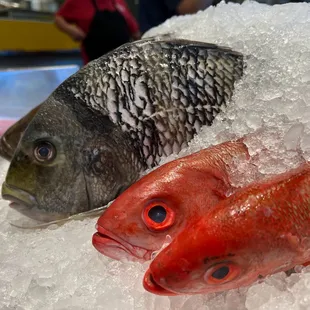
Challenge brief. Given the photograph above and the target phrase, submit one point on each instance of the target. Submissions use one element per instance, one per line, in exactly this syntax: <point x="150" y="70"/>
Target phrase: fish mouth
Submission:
<point x="152" y="286"/>
<point x="17" y="195"/>
<point x="26" y="204"/>
<point x="110" y="245"/>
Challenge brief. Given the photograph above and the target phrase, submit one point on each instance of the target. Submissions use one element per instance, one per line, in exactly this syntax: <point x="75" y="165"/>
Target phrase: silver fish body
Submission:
<point x="113" y="119"/>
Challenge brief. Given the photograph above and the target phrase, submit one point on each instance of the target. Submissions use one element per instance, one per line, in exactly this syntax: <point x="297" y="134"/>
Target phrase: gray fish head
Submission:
<point x="58" y="169"/>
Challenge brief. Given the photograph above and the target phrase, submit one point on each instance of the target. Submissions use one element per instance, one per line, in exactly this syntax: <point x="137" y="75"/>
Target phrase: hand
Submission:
<point x="76" y="33"/>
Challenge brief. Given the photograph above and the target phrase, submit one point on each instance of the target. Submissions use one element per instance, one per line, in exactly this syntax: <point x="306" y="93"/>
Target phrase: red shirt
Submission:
<point x="81" y="13"/>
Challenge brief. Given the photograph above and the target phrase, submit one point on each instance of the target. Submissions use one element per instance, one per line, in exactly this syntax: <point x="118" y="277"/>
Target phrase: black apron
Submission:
<point x="108" y="30"/>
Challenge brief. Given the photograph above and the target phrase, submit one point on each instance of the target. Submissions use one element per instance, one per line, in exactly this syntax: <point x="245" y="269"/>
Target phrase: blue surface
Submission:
<point x="23" y="89"/>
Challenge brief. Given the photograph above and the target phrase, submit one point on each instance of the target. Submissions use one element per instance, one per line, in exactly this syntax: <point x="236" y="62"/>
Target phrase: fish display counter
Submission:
<point x="23" y="89"/>
<point x="58" y="163"/>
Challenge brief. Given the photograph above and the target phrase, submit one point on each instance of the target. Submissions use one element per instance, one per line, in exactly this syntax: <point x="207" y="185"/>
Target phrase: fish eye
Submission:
<point x="44" y="151"/>
<point x="221" y="273"/>
<point x="157" y="216"/>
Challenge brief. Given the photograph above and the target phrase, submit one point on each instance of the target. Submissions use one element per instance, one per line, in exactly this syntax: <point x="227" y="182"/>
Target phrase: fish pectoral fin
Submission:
<point x="76" y="217"/>
<point x="160" y="37"/>
<point x="172" y="38"/>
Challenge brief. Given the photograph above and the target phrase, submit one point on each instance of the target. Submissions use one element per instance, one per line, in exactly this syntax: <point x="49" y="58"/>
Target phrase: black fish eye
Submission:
<point x="220" y="273"/>
<point x="44" y="151"/>
<point x="157" y="214"/>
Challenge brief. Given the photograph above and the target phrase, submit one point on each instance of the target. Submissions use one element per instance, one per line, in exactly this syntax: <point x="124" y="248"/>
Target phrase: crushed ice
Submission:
<point x="57" y="268"/>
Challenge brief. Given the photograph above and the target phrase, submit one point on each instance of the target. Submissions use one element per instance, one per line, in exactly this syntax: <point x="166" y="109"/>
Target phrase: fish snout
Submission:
<point x="114" y="247"/>
<point x="17" y="195"/>
<point x="153" y="287"/>
<point x="27" y="204"/>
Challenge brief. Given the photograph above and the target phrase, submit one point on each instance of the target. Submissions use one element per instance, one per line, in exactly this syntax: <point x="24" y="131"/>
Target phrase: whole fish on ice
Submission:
<point x="165" y="201"/>
<point x="259" y="230"/>
<point x="114" y="118"/>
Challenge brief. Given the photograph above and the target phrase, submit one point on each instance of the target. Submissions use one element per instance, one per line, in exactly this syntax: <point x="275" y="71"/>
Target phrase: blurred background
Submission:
<point x="28" y="36"/>
<point x="35" y="56"/>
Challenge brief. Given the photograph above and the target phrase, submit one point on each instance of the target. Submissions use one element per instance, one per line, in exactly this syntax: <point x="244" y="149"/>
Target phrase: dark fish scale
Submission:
<point x="201" y="75"/>
<point x="228" y="92"/>
<point x="208" y="79"/>
<point x="201" y="116"/>
<point x="220" y="74"/>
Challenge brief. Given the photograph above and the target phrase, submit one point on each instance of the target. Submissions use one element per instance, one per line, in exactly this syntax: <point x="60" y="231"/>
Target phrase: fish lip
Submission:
<point x="20" y="196"/>
<point x="152" y="286"/>
<point x="105" y="242"/>
<point x="26" y="204"/>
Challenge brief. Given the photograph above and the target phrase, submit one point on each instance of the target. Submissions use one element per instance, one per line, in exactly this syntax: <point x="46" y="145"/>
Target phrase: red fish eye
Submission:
<point x="222" y="273"/>
<point x="44" y="151"/>
<point x="158" y="216"/>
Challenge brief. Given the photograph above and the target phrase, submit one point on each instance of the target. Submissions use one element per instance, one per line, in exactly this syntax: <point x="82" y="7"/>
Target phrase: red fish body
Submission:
<point x="259" y="230"/>
<point x="164" y="201"/>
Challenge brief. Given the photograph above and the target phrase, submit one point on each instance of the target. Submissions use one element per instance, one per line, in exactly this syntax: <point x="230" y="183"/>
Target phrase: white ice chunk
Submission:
<point x="292" y="137"/>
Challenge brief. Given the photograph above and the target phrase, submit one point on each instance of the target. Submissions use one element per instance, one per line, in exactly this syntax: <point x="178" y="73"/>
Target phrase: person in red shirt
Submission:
<point x="100" y="25"/>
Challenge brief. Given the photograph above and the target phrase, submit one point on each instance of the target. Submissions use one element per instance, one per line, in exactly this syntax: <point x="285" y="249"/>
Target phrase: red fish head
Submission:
<point x="248" y="236"/>
<point x="195" y="262"/>
<point x="159" y="204"/>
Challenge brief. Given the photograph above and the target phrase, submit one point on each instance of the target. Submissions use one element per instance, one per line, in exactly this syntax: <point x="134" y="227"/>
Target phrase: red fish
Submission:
<point x="259" y="230"/>
<point x="165" y="201"/>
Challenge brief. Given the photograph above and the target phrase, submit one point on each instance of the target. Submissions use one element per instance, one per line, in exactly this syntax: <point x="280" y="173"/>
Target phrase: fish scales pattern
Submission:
<point x="161" y="93"/>
<point x="280" y="205"/>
